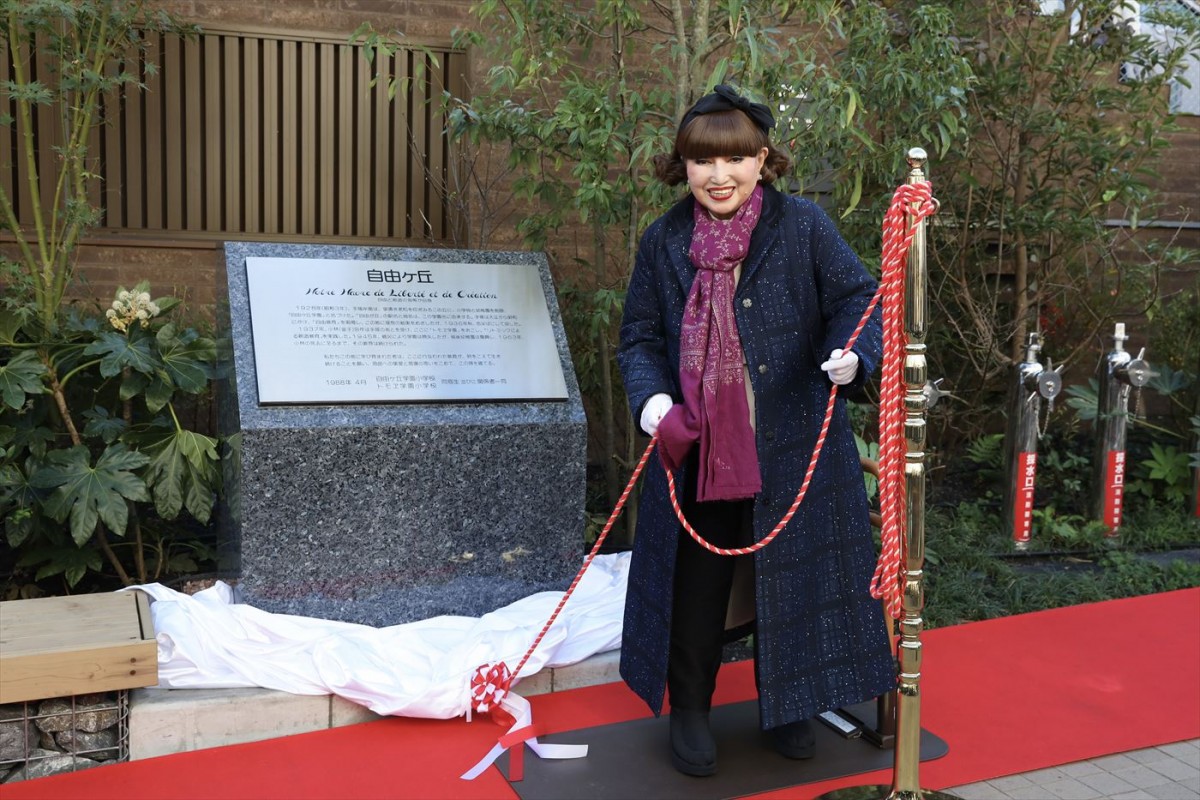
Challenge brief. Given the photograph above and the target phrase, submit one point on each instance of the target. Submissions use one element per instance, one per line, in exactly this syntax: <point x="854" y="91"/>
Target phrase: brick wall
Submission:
<point x="188" y="270"/>
<point x="1180" y="196"/>
<point x="1179" y="184"/>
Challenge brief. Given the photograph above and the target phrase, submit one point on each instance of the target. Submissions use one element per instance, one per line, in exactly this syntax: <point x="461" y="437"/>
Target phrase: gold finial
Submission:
<point x="917" y="157"/>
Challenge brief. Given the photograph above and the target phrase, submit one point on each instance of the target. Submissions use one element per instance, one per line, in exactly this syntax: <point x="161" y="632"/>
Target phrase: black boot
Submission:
<point x="693" y="751"/>
<point x="795" y="739"/>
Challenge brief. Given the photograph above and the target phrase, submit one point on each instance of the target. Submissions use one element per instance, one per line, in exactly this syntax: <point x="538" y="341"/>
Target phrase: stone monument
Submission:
<point x="407" y="435"/>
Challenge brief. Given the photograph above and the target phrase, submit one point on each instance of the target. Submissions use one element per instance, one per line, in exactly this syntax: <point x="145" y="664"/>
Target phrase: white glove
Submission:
<point x="655" y="409"/>
<point x="841" y="366"/>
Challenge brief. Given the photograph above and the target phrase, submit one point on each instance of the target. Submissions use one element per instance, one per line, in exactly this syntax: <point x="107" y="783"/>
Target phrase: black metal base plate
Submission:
<point x="633" y="759"/>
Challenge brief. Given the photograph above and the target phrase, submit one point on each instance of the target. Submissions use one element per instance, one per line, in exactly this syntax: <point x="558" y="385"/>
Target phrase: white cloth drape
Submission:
<point x="419" y="669"/>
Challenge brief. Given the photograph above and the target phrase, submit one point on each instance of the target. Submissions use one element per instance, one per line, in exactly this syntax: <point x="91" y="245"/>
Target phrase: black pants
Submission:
<point x="701" y="597"/>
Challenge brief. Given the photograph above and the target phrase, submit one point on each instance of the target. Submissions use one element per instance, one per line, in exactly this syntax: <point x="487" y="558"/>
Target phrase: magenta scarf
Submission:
<point x="714" y="410"/>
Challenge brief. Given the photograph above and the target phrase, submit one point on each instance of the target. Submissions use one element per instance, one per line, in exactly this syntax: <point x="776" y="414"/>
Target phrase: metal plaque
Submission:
<point x="348" y="331"/>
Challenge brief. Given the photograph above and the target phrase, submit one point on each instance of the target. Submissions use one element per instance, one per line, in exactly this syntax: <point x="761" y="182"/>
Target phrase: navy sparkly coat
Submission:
<point x="821" y="638"/>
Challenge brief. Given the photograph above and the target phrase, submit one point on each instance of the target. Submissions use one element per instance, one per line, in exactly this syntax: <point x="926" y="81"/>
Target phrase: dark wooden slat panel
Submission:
<point x="362" y="146"/>
<point x="153" y="179"/>
<point x="174" y="129"/>
<point x="49" y="134"/>
<point x="133" y="102"/>
<point x="252" y="144"/>
<point x="272" y="140"/>
<point x="193" y="154"/>
<point x="400" y="181"/>
<point x="24" y="197"/>
<point x="8" y="138"/>
<point x="247" y="133"/>
<point x="419" y="150"/>
<point x="345" y="129"/>
<point x="327" y="112"/>
<point x="456" y="83"/>
<point x="231" y="132"/>
<point x="213" y="122"/>
<point x="14" y="170"/>
<point x="289" y="169"/>
<point x="95" y="188"/>
<point x="381" y="188"/>
<point x="113" y="173"/>
<point x="214" y="157"/>
<point x="309" y="163"/>
<point x="436" y="161"/>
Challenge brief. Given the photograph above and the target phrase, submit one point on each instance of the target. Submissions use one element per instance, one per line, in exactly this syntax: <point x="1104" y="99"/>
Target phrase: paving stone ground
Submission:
<point x="1167" y="772"/>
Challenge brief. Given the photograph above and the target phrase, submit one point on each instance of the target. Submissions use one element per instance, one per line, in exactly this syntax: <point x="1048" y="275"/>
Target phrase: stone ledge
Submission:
<point x="165" y="721"/>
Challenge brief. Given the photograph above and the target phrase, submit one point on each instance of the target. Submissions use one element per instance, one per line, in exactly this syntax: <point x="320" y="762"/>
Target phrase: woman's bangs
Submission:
<point x="720" y="134"/>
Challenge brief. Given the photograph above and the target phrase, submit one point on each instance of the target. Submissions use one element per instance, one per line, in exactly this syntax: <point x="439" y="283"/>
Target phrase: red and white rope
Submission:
<point x="910" y="204"/>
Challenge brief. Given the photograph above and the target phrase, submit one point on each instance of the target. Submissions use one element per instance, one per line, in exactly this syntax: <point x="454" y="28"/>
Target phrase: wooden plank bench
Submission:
<point x="63" y="646"/>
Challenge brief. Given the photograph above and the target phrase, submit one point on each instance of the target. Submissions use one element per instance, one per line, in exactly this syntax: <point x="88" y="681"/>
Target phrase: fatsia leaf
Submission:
<point x="183" y="471"/>
<point x="165" y="477"/>
<point x="88" y="493"/>
<point x="120" y="351"/>
<point x="18" y="525"/>
<point x="69" y="561"/>
<point x="102" y="424"/>
<point x="17" y="499"/>
<point x="158" y="393"/>
<point x="21" y="375"/>
<point x="185" y="358"/>
<point x="201" y="494"/>
<point x="1167" y="381"/>
<point x="10" y="478"/>
<point x="27" y="436"/>
<point x="133" y="384"/>
<point x="83" y="323"/>
<point x="10" y="323"/>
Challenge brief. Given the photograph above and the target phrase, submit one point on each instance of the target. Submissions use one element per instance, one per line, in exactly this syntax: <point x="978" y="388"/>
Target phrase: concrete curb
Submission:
<point x="165" y="721"/>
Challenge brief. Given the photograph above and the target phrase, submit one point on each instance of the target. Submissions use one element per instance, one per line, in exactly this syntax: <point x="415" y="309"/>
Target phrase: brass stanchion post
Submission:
<point x="906" y="784"/>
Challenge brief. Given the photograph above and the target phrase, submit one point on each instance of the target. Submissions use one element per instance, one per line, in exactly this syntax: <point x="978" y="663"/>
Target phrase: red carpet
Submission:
<point x="1009" y="695"/>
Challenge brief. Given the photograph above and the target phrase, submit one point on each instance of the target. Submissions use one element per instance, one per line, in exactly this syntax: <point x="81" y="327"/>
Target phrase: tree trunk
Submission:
<point x="612" y="480"/>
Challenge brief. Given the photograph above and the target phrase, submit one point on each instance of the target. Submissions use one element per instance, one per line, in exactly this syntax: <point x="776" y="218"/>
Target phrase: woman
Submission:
<point x="739" y="305"/>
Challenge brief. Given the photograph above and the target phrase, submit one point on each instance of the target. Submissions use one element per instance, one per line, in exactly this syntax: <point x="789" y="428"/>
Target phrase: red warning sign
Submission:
<point x="1023" y="496"/>
<point x="1114" y="490"/>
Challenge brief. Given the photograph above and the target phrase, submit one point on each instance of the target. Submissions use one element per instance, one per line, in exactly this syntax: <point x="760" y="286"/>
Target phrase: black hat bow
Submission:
<point x="725" y="98"/>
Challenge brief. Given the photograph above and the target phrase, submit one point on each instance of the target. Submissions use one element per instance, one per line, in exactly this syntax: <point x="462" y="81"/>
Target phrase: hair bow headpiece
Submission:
<point x="724" y="98"/>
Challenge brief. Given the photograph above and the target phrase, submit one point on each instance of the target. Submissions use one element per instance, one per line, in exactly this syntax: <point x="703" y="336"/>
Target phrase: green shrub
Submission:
<point x="977" y="576"/>
<point x="91" y="442"/>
